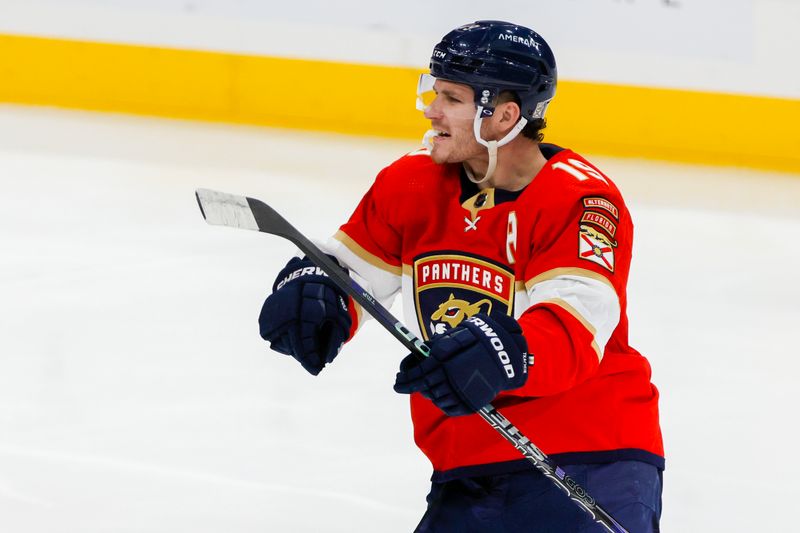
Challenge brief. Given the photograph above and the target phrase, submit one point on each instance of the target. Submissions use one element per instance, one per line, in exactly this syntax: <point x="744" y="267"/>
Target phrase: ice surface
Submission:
<point x="136" y="395"/>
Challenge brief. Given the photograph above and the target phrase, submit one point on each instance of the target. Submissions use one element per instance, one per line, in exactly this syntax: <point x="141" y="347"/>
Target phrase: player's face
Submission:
<point x="452" y="113"/>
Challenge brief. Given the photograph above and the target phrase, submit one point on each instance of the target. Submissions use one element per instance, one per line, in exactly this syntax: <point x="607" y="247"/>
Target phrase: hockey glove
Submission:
<point x="306" y="316"/>
<point x="468" y="365"/>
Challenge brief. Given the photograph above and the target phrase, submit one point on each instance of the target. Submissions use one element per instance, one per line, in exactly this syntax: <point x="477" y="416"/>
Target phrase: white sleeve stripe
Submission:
<point x="593" y="302"/>
<point x="410" y="311"/>
<point x="381" y="284"/>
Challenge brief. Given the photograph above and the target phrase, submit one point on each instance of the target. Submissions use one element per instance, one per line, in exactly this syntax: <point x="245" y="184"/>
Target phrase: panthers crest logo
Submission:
<point x="449" y="288"/>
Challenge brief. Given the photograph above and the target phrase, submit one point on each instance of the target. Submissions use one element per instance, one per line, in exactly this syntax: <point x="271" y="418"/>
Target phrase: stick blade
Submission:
<point x="224" y="209"/>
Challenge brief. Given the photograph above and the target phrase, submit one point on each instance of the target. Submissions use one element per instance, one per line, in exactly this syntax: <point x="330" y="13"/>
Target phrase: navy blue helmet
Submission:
<point x="493" y="56"/>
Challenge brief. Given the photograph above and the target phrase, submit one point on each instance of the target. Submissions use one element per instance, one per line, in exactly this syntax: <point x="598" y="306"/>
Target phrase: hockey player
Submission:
<point x="512" y="257"/>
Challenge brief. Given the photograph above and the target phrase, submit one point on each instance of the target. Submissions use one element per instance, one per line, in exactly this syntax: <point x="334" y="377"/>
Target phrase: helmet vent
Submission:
<point x="465" y="64"/>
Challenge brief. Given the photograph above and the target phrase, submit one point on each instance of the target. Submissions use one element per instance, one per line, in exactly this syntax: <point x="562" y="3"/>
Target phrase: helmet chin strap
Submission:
<point x="491" y="146"/>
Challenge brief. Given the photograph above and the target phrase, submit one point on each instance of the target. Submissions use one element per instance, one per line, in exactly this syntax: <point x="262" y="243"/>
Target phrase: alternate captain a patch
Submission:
<point x="596" y="247"/>
<point x="450" y="287"/>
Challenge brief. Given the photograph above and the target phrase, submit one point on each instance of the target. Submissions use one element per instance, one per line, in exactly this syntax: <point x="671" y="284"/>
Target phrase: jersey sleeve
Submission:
<point x="576" y="270"/>
<point x="369" y="245"/>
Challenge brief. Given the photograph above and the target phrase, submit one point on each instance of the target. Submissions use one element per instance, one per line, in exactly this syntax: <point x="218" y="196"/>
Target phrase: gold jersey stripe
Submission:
<point x="567" y="271"/>
<point x="360" y="252"/>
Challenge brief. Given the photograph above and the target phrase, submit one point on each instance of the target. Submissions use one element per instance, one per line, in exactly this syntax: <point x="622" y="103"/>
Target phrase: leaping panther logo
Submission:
<point x="454" y="311"/>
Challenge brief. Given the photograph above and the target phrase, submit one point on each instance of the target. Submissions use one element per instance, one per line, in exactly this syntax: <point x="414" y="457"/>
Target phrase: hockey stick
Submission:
<point x="223" y="209"/>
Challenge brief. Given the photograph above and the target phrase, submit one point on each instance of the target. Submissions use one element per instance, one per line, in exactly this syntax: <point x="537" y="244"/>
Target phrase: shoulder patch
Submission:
<point x="596" y="247"/>
<point x="596" y="202"/>
<point x="596" y="219"/>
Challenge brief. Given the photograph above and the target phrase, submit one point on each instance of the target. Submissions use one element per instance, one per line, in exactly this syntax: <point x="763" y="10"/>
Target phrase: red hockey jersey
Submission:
<point x="555" y="255"/>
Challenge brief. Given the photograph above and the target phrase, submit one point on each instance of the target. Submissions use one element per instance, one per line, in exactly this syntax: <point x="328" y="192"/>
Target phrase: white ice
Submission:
<point x="137" y="396"/>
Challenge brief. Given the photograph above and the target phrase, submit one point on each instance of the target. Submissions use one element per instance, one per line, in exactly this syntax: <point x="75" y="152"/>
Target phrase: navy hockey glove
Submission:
<point x="468" y="365"/>
<point x="306" y="315"/>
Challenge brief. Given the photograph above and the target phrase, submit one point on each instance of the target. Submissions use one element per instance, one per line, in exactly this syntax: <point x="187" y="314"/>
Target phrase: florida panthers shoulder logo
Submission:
<point x="598" y="229"/>
<point x="451" y="287"/>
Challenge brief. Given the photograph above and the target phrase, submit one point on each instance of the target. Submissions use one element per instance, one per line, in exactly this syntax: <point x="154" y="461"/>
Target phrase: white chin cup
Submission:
<point x="426" y="139"/>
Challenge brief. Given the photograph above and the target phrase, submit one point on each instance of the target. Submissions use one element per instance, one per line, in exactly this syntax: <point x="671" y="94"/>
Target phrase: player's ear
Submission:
<point x="508" y="113"/>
